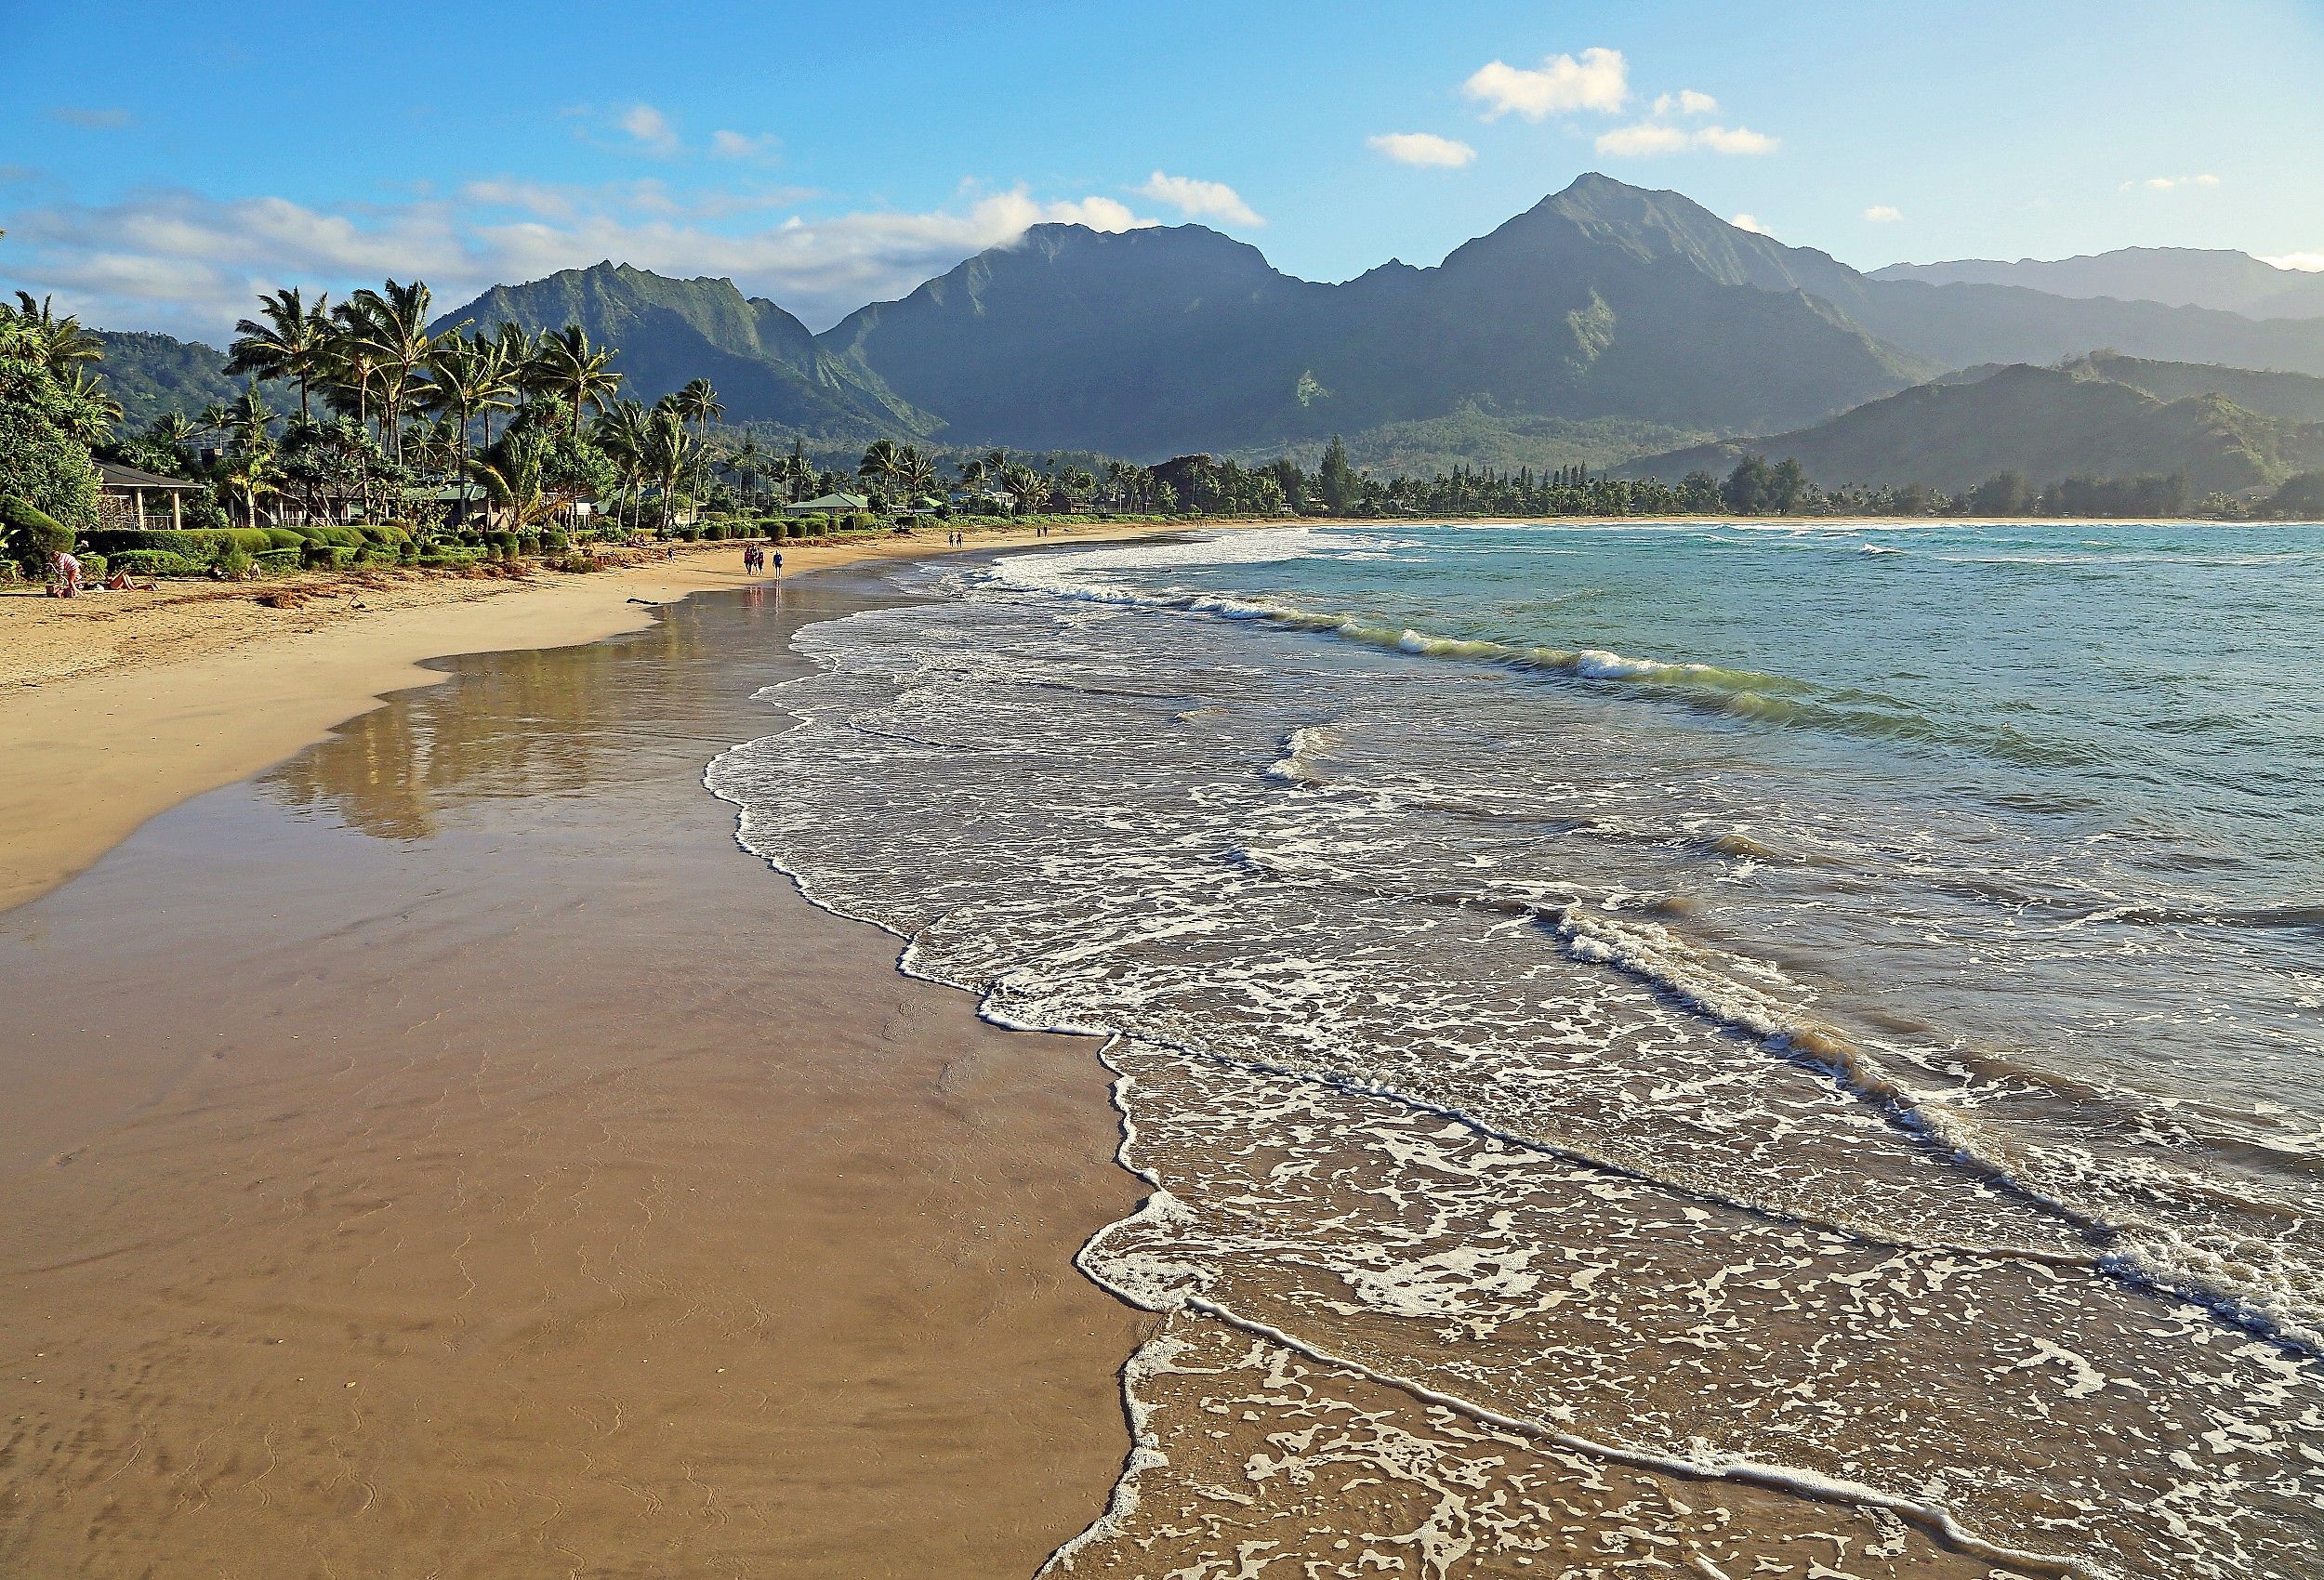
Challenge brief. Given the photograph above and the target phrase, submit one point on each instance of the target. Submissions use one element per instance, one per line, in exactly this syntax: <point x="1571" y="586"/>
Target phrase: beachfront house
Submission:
<point x="127" y="497"/>
<point x="829" y="505"/>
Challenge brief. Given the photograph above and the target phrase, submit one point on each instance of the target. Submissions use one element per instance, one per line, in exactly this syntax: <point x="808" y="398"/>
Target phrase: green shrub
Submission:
<point x="202" y="544"/>
<point x="273" y="562"/>
<point x="554" y="540"/>
<point x="317" y="556"/>
<point x="32" y="536"/>
<point x="282" y="537"/>
<point x="154" y="562"/>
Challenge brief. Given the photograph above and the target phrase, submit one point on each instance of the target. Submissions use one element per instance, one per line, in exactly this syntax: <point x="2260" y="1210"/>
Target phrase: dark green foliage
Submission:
<point x="1335" y="480"/>
<point x="2300" y="498"/>
<point x="44" y="458"/>
<point x="153" y="373"/>
<point x="154" y="562"/>
<point x="202" y="545"/>
<point x="201" y="510"/>
<point x="282" y="537"/>
<point x="32" y="536"/>
<point x="2003" y="493"/>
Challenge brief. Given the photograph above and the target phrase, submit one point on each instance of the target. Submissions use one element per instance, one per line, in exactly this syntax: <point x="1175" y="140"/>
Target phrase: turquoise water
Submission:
<point x="2135" y="677"/>
<point x="1837" y="1011"/>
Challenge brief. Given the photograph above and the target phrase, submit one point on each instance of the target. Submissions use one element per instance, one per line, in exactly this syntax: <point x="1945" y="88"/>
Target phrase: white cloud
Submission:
<point x="2306" y="263"/>
<point x="1598" y="80"/>
<point x="1645" y="140"/>
<point x="91" y="119"/>
<point x="1422" y="149"/>
<point x="1735" y="139"/>
<point x="649" y="129"/>
<point x="1648" y="139"/>
<point x="1686" y="102"/>
<point x="1198" y="200"/>
<point x="1883" y="214"/>
<point x="190" y="264"/>
<point x="1748" y="222"/>
<point x="743" y="145"/>
<point x="2169" y="183"/>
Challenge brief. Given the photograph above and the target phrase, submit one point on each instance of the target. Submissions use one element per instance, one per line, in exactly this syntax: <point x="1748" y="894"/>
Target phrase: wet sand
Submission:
<point x="448" y="1155"/>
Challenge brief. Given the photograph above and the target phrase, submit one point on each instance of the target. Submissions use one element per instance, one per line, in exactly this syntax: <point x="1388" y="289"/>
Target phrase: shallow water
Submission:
<point x="1837" y="1012"/>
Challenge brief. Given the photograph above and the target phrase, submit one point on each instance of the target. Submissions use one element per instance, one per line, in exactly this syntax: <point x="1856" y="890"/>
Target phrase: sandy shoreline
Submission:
<point x="115" y="706"/>
<point x="447" y="1154"/>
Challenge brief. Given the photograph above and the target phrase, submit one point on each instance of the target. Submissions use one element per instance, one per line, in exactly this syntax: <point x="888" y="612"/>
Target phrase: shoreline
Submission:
<point x="453" y="1155"/>
<point x="202" y="691"/>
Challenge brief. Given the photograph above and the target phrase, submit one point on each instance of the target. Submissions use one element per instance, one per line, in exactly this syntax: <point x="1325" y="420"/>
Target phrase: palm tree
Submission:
<point x="699" y="402"/>
<point x="94" y="408"/>
<point x="670" y="456"/>
<point x="293" y="342"/>
<point x="1029" y="487"/>
<point x="917" y="473"/>
<point x="463" y="380"/>
<point x="516" y="483"/>
<point x="500" y="359"/>
<point x="391" y="325"/>
<point x="575" y="372"/>
<point x="173" y="430"/>
<point x="879" y="463"/>
<point x="620" y="433"/>
<point x="250" y="422"/>
<point x="64" y="345"/>
<point x="251" y="475"/>
<point x="747" y="461"/>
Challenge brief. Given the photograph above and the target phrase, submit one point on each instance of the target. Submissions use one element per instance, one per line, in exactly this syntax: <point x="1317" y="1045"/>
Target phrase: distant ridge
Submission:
<point x="1604" y="320"/>
<point x="766" y="365"/>
<point x="2196" y="277"/>
<point x="2047" y="424"/>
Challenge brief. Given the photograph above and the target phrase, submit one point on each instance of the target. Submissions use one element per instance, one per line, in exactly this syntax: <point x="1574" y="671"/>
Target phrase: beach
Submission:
<point x="444" y="1153"/>
<point x="1734" y="1096"/>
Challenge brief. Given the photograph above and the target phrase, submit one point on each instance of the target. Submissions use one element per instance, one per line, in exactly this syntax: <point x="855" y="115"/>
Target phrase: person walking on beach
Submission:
<point x="778" y="564"/>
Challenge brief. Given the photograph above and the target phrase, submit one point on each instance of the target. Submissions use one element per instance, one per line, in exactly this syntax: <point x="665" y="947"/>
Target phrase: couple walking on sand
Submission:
<point x="755" y="559"/>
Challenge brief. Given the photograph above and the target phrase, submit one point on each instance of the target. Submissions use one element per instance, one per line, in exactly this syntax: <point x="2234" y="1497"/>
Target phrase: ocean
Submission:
<point x="1706" y="1049"/>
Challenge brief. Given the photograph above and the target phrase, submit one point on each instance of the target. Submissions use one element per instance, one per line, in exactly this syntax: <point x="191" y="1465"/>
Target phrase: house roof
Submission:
<point x="112" y="474"/>
<point x="834" y="502"/>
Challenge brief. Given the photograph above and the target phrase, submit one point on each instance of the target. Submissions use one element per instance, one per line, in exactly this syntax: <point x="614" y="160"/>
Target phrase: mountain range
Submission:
<point x="1606" y="321"/>
<point x="2104" y="416"/>
<point x="2194" y="277"/>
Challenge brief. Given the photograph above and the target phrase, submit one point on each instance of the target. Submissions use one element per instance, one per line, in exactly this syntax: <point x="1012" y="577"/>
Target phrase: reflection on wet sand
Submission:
<point x="488" y="1171"/>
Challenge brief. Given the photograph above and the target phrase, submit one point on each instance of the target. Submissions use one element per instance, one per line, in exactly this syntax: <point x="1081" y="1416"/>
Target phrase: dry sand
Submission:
<point x="448" y="1155"/>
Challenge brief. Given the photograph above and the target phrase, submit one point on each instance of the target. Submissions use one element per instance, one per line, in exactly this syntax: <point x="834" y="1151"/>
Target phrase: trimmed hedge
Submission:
<point x="32" y="534"/>
<point x="201" y="545"/>
<point x="154" y="562"/>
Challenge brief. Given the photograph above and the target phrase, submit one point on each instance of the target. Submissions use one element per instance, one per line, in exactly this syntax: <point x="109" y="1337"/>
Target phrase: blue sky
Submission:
<point x="159" y="162"/>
